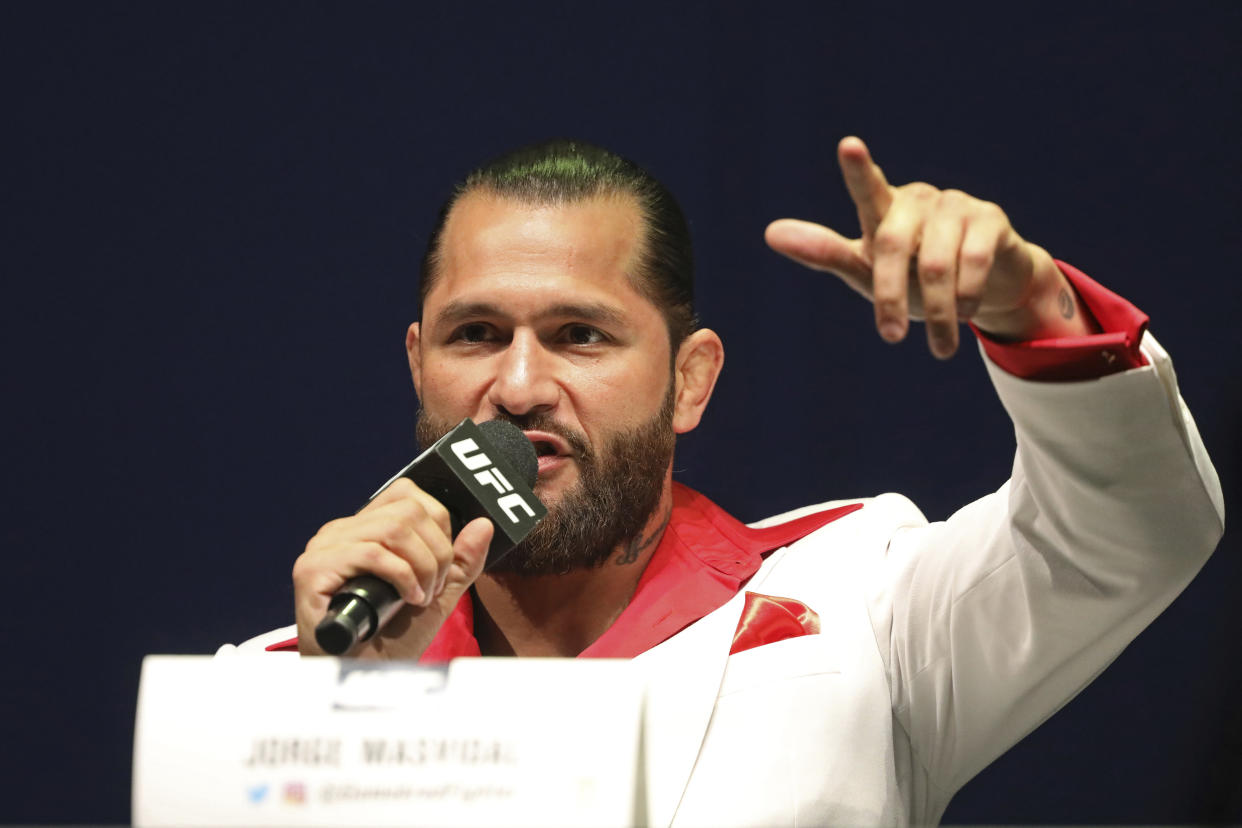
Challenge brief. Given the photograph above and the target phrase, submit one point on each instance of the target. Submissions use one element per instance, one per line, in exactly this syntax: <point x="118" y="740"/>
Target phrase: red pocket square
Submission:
<point x="767" y="619"/>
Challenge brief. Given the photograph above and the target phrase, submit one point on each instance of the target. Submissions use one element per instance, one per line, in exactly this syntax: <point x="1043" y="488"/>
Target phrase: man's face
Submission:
<point x="534" y="318"/>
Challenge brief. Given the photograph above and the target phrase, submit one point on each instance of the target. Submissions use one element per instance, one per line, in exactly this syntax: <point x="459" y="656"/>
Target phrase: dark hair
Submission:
<point x="562" y="172"/>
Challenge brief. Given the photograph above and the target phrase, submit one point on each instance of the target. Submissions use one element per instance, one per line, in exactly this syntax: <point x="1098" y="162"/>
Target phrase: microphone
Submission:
<point x="485" y="470"/>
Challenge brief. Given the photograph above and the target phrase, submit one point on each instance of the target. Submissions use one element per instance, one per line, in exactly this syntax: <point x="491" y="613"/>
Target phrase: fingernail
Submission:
<point x="417" y="596"/>
<point x="942" y="347"/>
<point x="892" y="331"/>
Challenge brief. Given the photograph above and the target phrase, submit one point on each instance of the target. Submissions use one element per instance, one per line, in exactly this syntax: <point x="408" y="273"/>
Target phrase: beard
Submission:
<point x="617" y="490"/>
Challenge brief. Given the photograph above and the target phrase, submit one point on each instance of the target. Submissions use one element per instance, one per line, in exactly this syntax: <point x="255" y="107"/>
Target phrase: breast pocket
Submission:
<point x="783" y="661"/>
<point x="776" y="720"/>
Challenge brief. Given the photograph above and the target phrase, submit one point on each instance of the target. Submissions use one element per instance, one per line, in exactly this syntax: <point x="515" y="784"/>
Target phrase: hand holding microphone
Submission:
<point x="392" y="573"/>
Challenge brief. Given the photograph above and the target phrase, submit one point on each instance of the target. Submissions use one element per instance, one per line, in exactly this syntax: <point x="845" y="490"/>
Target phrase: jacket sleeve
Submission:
<point x="280" y="640"/>
<point x="990" y="621"/>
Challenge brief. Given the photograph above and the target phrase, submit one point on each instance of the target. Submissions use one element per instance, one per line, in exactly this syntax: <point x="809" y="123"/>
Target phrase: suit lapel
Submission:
<point x="685" y="670"/>
<point x="683" y="678"/>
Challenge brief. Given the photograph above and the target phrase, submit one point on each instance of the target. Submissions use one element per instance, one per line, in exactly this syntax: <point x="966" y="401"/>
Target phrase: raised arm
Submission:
<point x="938" y="255"/>
<point x="991" y="620"/>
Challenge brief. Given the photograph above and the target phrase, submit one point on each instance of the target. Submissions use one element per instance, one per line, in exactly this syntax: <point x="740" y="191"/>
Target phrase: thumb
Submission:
<point x="469" y="555"/>
<point x="413" y="629"/>
<point x="819" y="248"/>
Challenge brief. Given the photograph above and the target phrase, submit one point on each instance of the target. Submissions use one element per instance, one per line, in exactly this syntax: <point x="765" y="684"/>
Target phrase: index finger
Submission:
<point x="866" y="183"/>
<point x="396" y="489"/>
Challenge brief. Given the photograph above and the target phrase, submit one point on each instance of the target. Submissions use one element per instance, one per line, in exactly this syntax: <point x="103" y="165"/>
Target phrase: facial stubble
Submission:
<point x="617" y="490"/>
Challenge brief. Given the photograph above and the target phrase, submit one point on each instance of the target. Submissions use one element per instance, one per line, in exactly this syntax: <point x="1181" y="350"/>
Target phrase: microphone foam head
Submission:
<point x="511" y="443"/>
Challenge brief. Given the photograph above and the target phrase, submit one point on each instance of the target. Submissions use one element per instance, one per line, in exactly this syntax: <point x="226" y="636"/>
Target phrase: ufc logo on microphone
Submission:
<point x="473" y="458"/>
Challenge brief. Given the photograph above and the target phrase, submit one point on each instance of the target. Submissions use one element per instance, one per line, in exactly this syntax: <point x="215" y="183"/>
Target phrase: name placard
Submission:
<point x="262" y="740"/>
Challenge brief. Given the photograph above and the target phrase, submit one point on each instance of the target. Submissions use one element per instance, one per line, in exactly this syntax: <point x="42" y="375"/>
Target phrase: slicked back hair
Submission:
<point x="564" y="172"/>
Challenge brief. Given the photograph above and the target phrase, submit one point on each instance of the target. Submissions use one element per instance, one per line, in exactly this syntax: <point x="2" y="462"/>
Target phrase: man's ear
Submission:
<point x="413" y="354"/>
<point x="698" y="364"/>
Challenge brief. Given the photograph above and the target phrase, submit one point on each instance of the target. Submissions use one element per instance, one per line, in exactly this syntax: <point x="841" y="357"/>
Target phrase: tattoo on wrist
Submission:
<point x="1066" y="303"/>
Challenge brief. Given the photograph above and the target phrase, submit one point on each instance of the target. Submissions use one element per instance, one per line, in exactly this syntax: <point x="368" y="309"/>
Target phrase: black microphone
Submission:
<point x="485" y="470"/>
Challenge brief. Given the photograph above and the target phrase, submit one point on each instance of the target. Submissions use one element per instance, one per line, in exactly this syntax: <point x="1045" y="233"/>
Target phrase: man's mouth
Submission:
<point x="547" y="444"/>
<point x="551" y="450"/>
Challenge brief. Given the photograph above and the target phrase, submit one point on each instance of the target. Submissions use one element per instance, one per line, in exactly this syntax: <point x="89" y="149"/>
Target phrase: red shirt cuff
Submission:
<point x="1064" y="359"/>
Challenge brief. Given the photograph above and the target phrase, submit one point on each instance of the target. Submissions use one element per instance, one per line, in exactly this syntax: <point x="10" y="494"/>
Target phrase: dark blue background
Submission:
<point x="213" y="218"/>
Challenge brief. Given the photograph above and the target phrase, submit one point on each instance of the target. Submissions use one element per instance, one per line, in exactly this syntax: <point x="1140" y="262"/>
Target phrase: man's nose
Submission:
<point x="524" y="380"/>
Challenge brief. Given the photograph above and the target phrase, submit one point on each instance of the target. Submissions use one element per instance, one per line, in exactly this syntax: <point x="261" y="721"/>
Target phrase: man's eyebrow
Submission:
<point x="588" y="312"/>
<point x="458" y="311"/>
<point x="598" y="312"/>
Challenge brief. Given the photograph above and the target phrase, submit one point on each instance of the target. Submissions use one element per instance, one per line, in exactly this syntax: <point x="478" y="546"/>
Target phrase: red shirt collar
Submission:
<point x="704" y="558"/>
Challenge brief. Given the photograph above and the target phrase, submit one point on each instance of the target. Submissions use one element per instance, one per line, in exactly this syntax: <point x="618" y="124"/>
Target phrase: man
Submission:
<point x="851" y="664"/>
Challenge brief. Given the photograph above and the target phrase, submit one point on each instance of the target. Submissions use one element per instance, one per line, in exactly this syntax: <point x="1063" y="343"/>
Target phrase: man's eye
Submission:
<point x="583" y="335"/>
<point x="474" y="332"/>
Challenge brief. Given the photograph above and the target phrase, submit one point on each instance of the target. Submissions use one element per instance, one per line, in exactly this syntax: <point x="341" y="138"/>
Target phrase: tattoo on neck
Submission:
<point x="1066" y="302"/>
<point x="638" y="545"/>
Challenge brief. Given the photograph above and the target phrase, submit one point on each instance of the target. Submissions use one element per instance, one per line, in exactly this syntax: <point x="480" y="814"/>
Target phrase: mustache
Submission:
<point x="542" y="421"/>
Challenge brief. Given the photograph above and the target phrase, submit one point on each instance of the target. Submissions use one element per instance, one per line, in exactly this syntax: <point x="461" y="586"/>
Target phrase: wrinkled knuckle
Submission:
<point x="393" y="532"/>
<point x="921" y="190"/>
<point x="887" y="292"/>
<point x="938" y="314"/>
<point x="977" y="258"/>
<point x="933" y="270"/>
<point x="372" y="555"/>
<point x="320" y="539"/>
<point x="409" y="511"/>
<point x="954" y="203"/>
<point x="889" y="242"/>
<point x="403" y="486"/>
<point x="888" y="307"/>
<point x="993" y="211"/>
<point x="302" y="569"/>
<point x="438" y="513"/>
<point x="327" y="529"/>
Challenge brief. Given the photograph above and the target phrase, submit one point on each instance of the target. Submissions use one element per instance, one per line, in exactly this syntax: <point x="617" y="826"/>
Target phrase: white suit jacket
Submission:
<point x="941" y="644"/>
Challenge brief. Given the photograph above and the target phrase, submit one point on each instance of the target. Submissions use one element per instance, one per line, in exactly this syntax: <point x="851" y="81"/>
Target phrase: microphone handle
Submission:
<point x="361" y="607"/>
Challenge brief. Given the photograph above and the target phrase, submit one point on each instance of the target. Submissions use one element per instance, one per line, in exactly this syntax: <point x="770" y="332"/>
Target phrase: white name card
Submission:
<point x="262" y="740"/>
